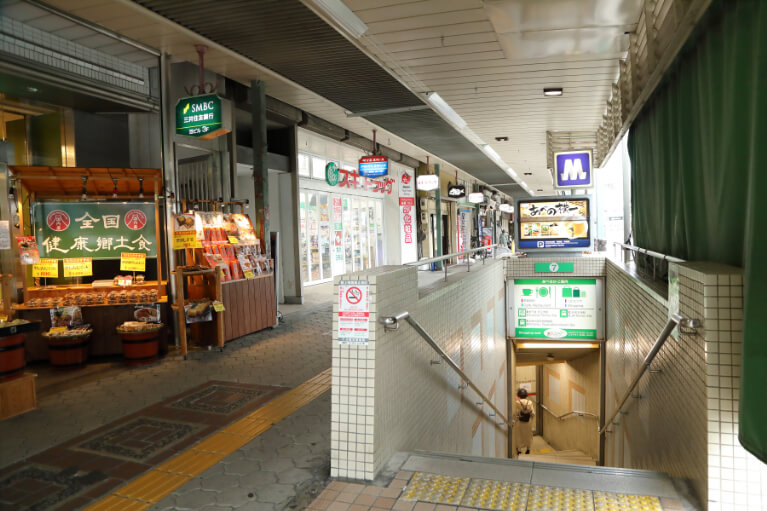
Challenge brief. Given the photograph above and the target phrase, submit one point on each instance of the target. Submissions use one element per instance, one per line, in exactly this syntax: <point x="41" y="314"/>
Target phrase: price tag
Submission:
<point x="218" y="306"/>
<point x="78" y="267"/>
<point x="48" y="268"/>
<point x="233" y="240"/>
<point x="185" y="239"/>
<point x="130" y="261"/>
<point x="57" y="330"/>
<point x="248" y="274"/>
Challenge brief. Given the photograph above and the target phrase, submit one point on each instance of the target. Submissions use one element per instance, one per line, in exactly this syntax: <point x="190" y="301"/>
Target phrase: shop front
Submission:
<point x="349" y="222"/>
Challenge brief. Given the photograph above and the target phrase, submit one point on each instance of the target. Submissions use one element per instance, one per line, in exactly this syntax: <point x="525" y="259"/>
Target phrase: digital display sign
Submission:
<point x="556" y="308"/>
<point x="553" y="223"/>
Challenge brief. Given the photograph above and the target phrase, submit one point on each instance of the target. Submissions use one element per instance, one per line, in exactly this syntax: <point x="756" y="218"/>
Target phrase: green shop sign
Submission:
<point x="99" y="230"/>
<point x="200" y="116"/>
<point x="331" y="173"/>
<point x="554" y="267"/>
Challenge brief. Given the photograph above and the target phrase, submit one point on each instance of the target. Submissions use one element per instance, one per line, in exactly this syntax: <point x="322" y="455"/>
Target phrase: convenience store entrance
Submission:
<point x="338" y="234"/>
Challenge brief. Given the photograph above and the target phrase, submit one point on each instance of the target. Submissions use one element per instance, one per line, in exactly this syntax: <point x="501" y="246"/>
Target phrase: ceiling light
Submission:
<point x="491" y="153"/>
<point x="32" y="89"/>
<point x="511" y="172"/>
<point x="501" y="139"/>
<point x="554" y="91"/>
<point x="528" y="173"/>
<point x="539" y="190"/>
<point x="556" y="345"/>
<point x="445" y="109"/>
<point x="338" y="12"/>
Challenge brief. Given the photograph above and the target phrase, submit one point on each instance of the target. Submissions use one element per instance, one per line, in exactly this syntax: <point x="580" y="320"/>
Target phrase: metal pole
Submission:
<point x="260" y="160"/>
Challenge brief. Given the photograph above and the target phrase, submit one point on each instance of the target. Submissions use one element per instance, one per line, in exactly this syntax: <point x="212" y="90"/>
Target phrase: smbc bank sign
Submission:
<point x="200" y="116"/>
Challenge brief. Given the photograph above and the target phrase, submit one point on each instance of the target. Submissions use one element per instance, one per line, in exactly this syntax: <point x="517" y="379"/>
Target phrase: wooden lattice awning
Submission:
<point x="62" y="182"/>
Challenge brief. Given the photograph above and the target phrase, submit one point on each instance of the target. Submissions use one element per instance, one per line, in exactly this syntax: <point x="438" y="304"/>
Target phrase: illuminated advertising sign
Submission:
<point x="553" y="223"/>
<point x="573" y="169"/>
<point x="562" y="309"/>
<point x="373" y="166"/>
<point x="201" y="117"/>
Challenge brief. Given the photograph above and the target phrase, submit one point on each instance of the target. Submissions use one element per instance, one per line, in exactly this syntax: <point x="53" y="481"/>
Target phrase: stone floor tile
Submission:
<point x="293" y="476"/>
<point x="364" y="499"/>
<point x="372" y="490"/>
<point x="424" y="506"/>
<point x="443" y="507"/>
<point x="194" y="499"/>
<point x="404" y="475"/>
<point x="338" y="506"/>
<point x="403" y="505"/>
<point x="257" y="478"/>
<point x="274" y="493"/>
<point x="346" y="497"/>
<point x="384" y="502"/>
<point x="234" y="497"/>
<point x="398" y="484"/>
<point x="358" y="507"/>
<point x="391" y="492"/>
<point x="354" y="488"/>
<point x="256" y="506"/>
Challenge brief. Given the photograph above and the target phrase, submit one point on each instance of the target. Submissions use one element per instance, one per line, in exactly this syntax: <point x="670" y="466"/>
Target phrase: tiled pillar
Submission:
<point x="736" y="479"/>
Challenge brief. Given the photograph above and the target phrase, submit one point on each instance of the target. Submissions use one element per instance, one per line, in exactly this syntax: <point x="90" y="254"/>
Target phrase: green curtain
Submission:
<point x="699" y="190"/>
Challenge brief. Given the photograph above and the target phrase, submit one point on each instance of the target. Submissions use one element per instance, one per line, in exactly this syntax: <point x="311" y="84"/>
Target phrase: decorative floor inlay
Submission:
<point x="219" y="398"/>
<point x="73" y="474"/>
<point x="140" y="439"/>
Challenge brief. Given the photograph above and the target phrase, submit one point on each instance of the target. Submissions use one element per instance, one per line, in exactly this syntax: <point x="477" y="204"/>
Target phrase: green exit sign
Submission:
<point x="200" y="116"/>
<point x="554" y="267"/>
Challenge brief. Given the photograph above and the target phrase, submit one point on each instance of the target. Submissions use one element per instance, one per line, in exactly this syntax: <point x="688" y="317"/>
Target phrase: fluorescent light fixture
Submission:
<point x="511" y="172"/>
<point x="491" y="153"/>
<point x="338" y="12"/>
<point x="553" y="91"/>
<point x="445" y="109"/>
<point x="556" y="345"/>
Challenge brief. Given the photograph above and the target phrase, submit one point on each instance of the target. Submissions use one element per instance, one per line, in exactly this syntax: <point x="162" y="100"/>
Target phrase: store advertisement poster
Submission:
<point x="464" y="229"/>
<point x="550" y="223"/>
<point x="5" y="235"/>
<point x="78" y="267"/>
<point x="563" y="309"/>
<point x="407" y="217"/>
<point x="98" y="230"/>
<point x="354" y="312"/>
<point x="28" y="251"/>
<point x="46" y="268"/>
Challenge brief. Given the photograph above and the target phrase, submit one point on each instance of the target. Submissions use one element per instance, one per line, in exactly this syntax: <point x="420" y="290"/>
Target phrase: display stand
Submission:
<point x="202" y="283"/>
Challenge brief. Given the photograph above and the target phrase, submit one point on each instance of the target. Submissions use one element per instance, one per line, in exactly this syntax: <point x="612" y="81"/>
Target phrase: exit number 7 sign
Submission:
<point x="354" y="312"/>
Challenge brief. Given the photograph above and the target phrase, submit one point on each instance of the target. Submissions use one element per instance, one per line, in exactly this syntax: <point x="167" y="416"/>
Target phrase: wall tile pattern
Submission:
<point x="389" y="397"/>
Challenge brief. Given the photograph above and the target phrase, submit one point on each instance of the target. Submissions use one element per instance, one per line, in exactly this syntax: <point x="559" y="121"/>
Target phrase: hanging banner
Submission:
<point x="132" y="262"/>
<point x="407" y="217"/>
<point x="354" y="312"/>
<point x="47" y="268"/>
<point x="97" y="230"/>
<point x="78" y="267"/>
<point x="464" y="229"/>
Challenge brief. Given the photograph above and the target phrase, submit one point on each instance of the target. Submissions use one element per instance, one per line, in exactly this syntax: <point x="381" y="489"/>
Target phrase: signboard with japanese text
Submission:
<point x="132" y="261"/>
<point x="557" y="308"/>
<point x="373" y="166"/>
<point x="353" y="180"/>
<point x="407" y="217"/>
<point x="78" y="267"/>
<point x="573" y="169"/>
<point x="47" y="268"/>
<point x="98" y="230"/>
<point x="200" y="116"/>
<point x="553" y="223"/>
<point x="354" y="312"/>
<point x="456" y="191"/>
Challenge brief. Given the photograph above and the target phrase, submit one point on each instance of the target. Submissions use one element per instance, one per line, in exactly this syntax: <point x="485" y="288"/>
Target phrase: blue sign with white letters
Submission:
<point x="573" y="169"/>
<point x="373" y="166"/>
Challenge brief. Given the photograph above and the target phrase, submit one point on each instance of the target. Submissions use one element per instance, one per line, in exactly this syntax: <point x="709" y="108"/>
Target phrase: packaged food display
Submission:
<point x="138" y="326"/>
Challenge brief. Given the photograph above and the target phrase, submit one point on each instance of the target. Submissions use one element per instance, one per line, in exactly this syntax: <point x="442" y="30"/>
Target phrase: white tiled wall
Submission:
<point x="389" y="397"/>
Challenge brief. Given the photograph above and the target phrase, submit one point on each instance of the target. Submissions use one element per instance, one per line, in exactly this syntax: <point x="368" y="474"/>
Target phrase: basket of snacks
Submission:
<point x="140" y="341"/>
<point x="68" y="347"/>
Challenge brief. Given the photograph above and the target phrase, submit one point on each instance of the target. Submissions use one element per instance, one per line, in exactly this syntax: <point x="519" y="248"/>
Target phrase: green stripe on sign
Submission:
<point x="553" y="267"/>
<point x="555" y="281"/>
<point x="571" y="334"/>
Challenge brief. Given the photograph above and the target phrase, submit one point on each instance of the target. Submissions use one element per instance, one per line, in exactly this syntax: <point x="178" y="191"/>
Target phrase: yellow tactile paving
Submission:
<point x="153" y="486"/>
<point x="487" y="494"/>
<point x="546" y="498"/>
<point x="157" y="484"/>
<point x="436" y="488"/>
<point x="605" y="501"/>
<point x="191" y="463"/>
<point x="115" y="503"/>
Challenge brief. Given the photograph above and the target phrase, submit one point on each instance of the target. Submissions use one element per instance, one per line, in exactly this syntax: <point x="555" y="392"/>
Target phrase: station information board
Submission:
<point x="565" y="309"/>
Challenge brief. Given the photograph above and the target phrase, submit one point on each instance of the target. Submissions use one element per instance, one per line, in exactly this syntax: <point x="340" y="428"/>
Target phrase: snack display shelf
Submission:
<point x="160" y="299"/>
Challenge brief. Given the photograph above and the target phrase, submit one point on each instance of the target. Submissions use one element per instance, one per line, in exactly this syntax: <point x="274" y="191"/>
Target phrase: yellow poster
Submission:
<point x="78" y="267"/>
<point x="184" y="239"/>
<point x="48" y="268"/>
<point x="131" y="261"/>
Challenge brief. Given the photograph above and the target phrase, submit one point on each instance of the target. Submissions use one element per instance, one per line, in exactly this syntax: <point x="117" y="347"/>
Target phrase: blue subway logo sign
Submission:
<point x="573" y="169"/>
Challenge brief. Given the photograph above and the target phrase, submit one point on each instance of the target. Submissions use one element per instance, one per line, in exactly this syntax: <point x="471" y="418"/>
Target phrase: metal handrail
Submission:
<point x="455" y="255"/>
<point x="392" y="323"/>
<point x="656" y="255"/>
<point x="564" y="415"/>
<point x="672" y="323"/>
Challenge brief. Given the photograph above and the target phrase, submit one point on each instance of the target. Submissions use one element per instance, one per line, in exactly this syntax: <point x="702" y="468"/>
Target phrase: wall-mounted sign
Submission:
<point x="555" y="309"/>
<point x="476" y="198"/>
<point x="354" y="312"/>
<point x="554" y="267"/>
<point x="407" y="216"/>
<point x="201" y="117"/>
<point x="95" y="230"/>
<point x="373" y="166"/>
<point x="427" y="183"/>
<point x="506" y="208"/>
<point x="352" y="179"/>
<point x="456" y="191"/>
<point x="573" y="169"/>
<point x="553" y="223"/>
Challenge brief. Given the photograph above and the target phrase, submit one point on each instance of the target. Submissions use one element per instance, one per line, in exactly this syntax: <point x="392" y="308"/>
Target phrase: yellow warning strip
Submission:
<point x="161" y="481"/>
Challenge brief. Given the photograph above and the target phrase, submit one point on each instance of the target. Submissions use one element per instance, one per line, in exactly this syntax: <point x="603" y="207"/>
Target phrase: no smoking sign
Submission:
<point x="354" y="312"/>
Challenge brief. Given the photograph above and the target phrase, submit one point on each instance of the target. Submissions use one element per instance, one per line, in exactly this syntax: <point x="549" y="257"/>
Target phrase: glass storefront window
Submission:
<point x="324" y="227"/>
<point x="379" y="233"/>
<point x="302" y="235"/>
<point x="318" y="168"/>
<point x="303" y="165"/>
